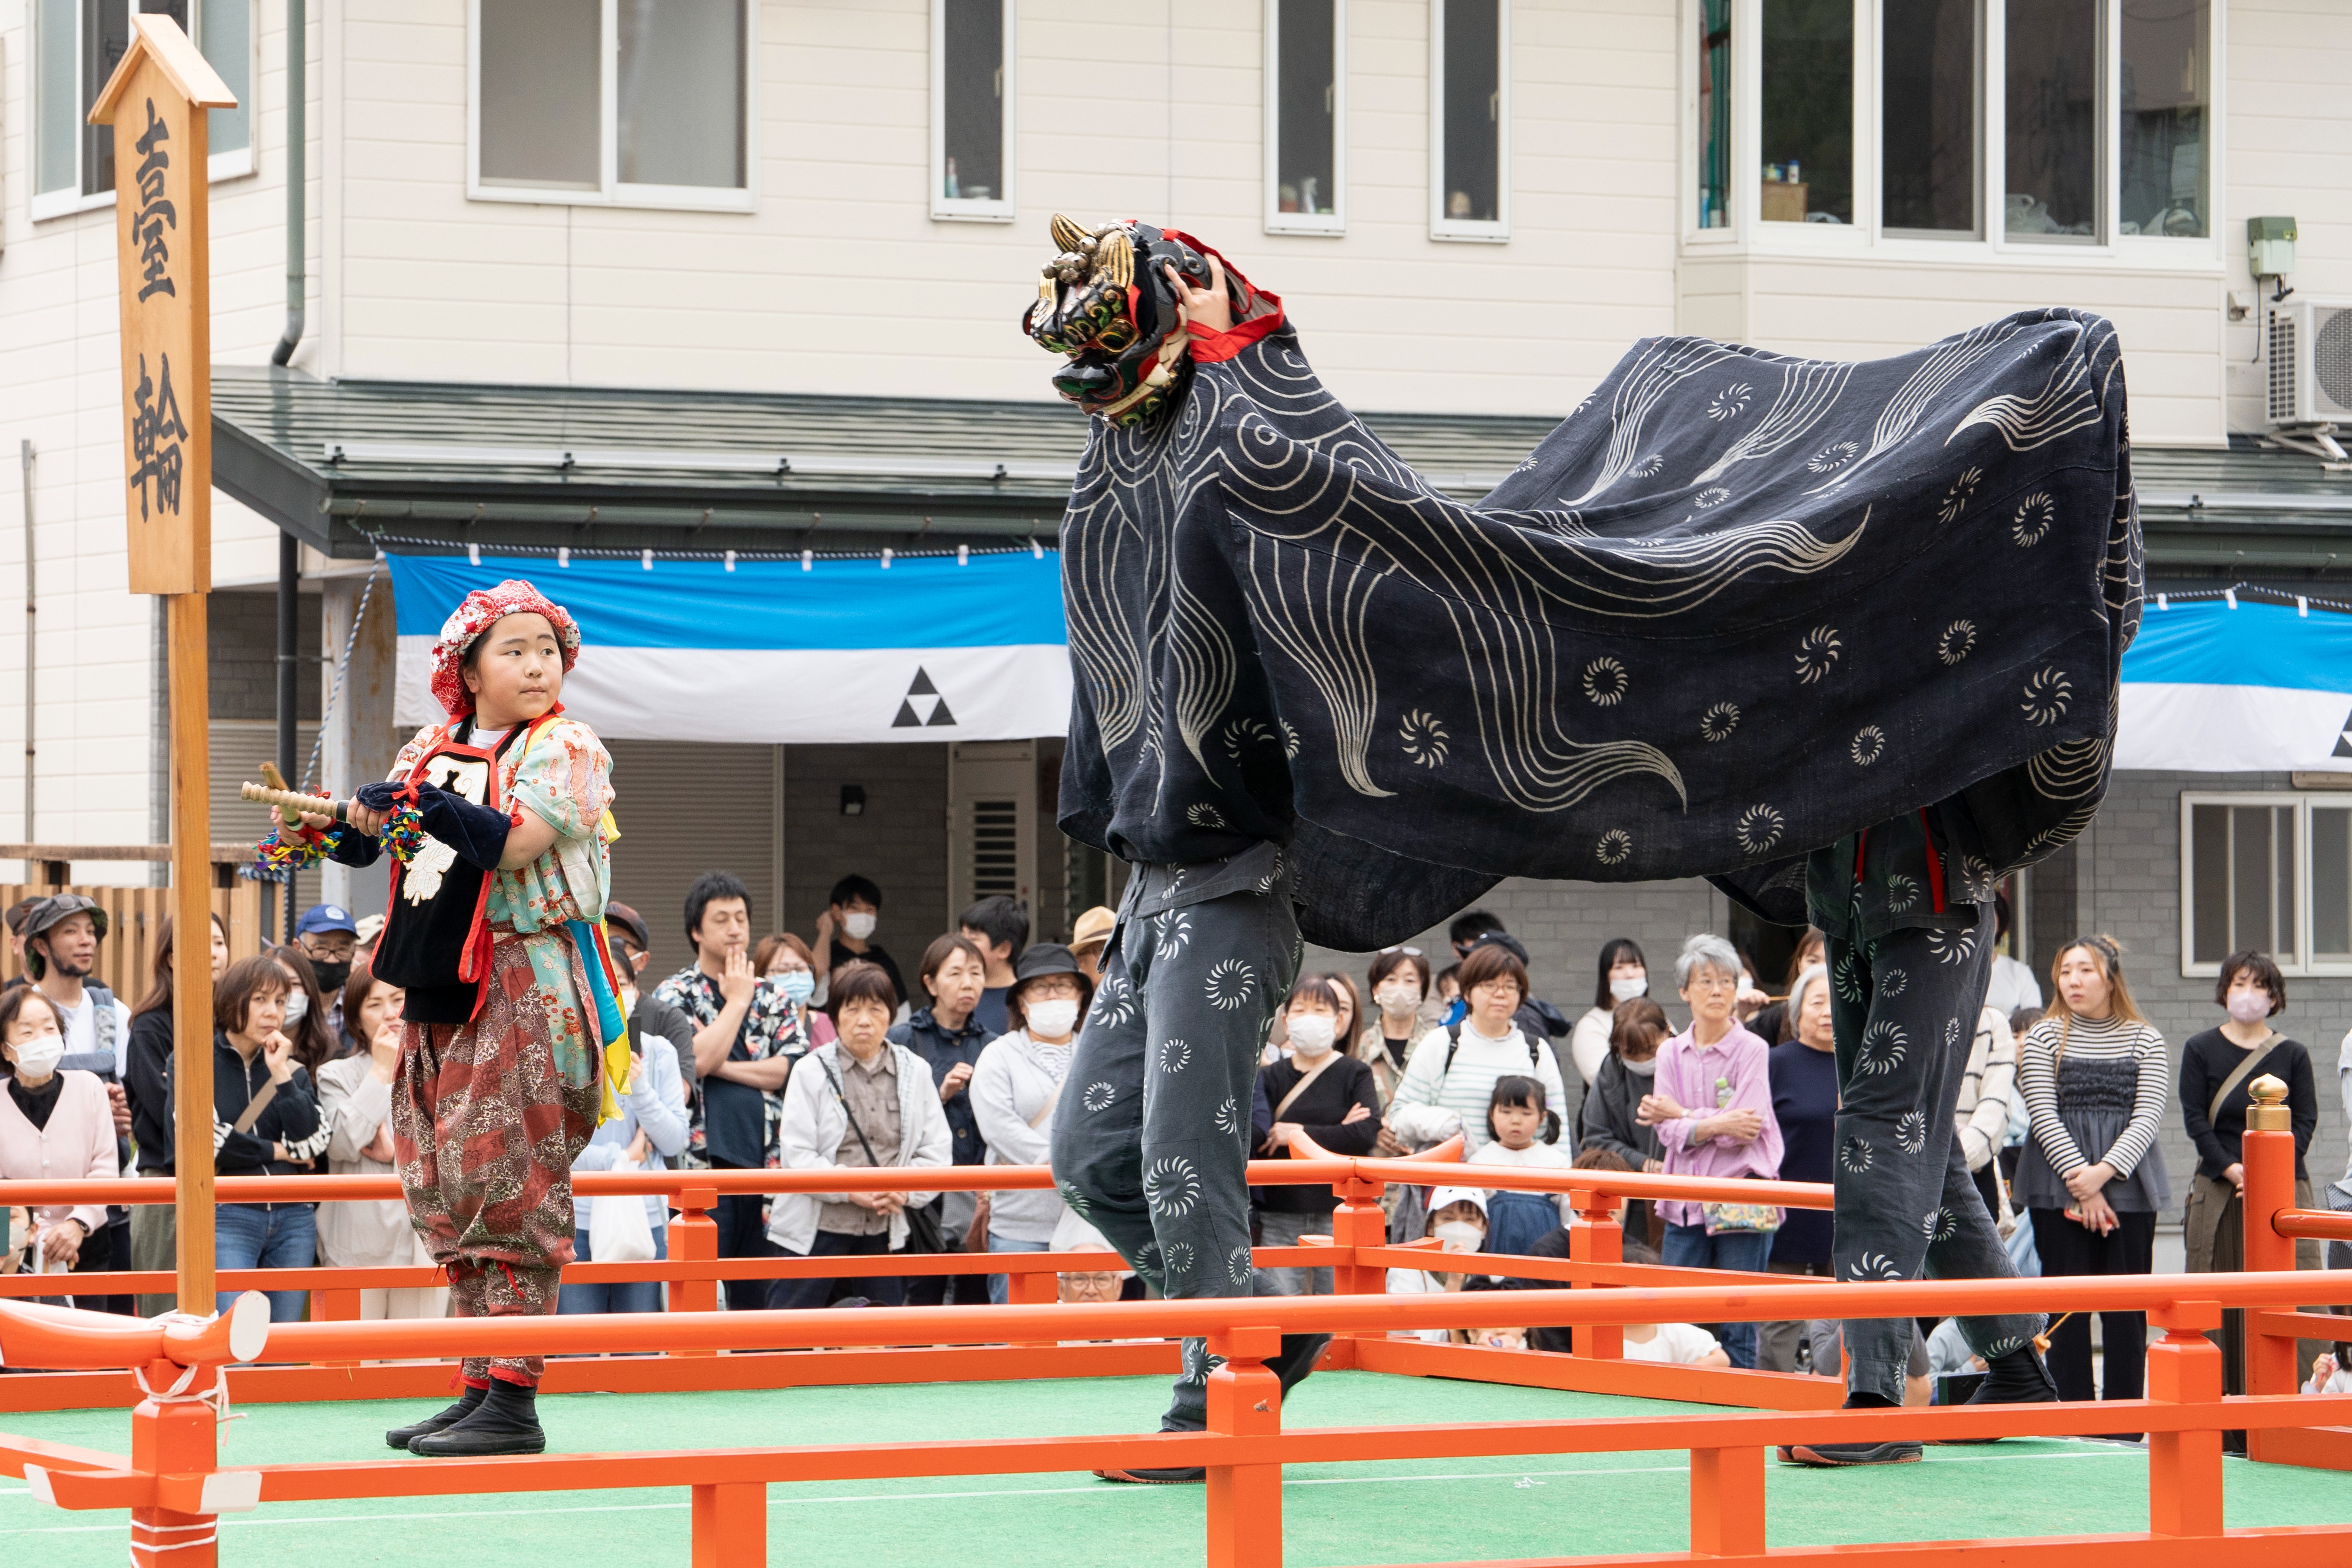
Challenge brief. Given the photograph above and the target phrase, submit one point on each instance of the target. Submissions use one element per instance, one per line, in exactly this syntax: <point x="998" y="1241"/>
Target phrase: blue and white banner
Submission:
<point x="2210" y="686"/>
<point x="771" y="651"/>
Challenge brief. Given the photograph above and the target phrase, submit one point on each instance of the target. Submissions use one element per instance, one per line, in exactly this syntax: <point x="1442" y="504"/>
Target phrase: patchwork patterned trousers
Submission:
<point x="486" y="1124"/>
<point x="1151" y="1141"/>
<point x="1904" y="1008"/>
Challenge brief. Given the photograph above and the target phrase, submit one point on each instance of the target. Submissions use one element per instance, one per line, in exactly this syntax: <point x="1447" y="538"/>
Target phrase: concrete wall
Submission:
<point x="901" y="841"/>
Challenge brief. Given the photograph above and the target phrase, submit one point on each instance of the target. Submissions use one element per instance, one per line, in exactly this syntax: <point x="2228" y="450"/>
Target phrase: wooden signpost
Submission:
<point x="156" y="101"/>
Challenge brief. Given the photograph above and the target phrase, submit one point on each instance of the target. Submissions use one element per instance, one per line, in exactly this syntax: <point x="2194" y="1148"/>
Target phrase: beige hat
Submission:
<point x="1094" y="928"/>
<point x="370" y="928"/>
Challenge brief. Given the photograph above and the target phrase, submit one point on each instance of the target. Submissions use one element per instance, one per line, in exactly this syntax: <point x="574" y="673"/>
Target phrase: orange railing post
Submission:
<point x="1358" y="1222"/>
<point x="335" y="1307"/>
<point x="694" y="1239"/>
<point x="2184" y="1469"/>
<point x="2268" y="1151"/>
<point x="174" y="1437"/>
<point x="1244" y="1501"/>
<point x="730" y="1525"/>
<point x="1595" y="1237"/>
<point x="1726" y="1502"/>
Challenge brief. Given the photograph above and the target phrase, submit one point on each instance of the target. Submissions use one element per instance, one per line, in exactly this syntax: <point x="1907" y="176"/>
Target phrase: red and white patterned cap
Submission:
<point x="482" y="609"/>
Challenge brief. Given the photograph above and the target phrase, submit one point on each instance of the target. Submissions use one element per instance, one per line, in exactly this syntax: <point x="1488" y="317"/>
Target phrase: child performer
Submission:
<point x="493" y="925"/>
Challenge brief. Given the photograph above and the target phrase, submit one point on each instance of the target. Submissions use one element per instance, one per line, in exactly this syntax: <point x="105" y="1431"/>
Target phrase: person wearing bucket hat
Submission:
<point x="1017" y="1084"/>
<point x="1087" y="939"/>
<point x="494" y="928"/>
<point x="62" y="934"/>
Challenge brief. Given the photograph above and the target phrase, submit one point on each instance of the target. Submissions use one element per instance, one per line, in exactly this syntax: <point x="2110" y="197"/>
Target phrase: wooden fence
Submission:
<point x="125" y="958"/>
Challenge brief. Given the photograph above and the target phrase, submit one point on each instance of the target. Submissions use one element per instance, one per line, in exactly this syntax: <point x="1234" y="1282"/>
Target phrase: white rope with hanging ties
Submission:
<point x="216" y="1396"/>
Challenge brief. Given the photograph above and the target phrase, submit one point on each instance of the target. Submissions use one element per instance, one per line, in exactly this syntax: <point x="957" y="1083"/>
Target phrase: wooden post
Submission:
<point x="1595" y="1237"/>
<point x="2268" y="1150"/>
<point x="1726" y="1502"/>
<point x="1244" y="1501"/>
<point x="2184" y="1469"/>
<point x="156" y="100"/>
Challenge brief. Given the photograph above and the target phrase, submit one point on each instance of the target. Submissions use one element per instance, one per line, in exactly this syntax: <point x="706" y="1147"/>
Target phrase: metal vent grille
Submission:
<point x="2331" y="361"/>
<point x="2281" y="383"/>
<point x="995" y="847"/>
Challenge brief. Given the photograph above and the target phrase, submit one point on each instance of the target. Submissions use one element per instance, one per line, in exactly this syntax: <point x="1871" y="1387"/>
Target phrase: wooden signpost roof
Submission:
<point x="191" y="75"/>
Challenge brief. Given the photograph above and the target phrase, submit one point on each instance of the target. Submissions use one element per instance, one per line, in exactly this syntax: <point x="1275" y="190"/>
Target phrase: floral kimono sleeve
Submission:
<point x="565" y="777"/>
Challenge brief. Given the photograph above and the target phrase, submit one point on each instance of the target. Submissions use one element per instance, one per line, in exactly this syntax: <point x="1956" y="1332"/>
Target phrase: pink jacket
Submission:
<point x="1687" y="1074"/>
<point x="78" y="1142"/>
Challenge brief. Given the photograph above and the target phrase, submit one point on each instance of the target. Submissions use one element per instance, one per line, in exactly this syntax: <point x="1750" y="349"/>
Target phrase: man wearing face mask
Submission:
<point x="328" y="938"/>
<point x="844" y="932"/>
<point x="62" y="933"/>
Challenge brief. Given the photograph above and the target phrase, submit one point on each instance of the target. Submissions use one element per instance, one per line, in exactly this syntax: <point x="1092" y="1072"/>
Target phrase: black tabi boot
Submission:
<point x="1835" y="1456"/>
<point x="2018" y="1378"/>
<point x="506" y="1423"/>
<point x="401" y="1436"/>
<point x="1290" y="1365"/>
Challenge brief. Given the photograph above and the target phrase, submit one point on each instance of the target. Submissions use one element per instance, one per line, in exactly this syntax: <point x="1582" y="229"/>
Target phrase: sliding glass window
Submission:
<point x="1305" y="116"/>
<point x="2051" y="153"/>
<point x="1714" y="210"/>
<point x="972" y="110"/>
<point x="1808" y="113"/>
<point x="1470" y="111"/>
<point x="1930" y="179"/>
<point x="2164" y="119"/>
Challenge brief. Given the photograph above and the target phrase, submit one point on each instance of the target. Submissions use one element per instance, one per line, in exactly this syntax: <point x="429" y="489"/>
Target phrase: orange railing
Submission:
<point x="173" y="1486"/>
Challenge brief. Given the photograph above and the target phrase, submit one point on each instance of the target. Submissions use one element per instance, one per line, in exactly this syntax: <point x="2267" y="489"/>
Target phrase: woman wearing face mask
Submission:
<point x="264" y="1099"/>
<point x="1016" y="1087"/>
<point x="355" y="1104"/>
<point x="316" y="1042"/>
<point x="1624" y="974"/>
<point x="54" y="1126"/>
<point x="2218" y="1069"/>
<point x="784" y="959"/>
<point x="1324" y="1093"/>
<point x="1457" y="1218"/>
<point x="1400" y="985"/>
<point x="1611" y="1119"/>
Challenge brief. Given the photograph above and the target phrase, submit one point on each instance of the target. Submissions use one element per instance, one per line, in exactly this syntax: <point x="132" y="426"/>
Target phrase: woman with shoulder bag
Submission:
<point x="2218" y="1069"/>
<point x="1017" y="1086"/>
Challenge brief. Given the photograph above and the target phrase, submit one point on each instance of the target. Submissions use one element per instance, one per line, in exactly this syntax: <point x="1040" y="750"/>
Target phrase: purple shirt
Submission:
<point x="1687" y="1075"/>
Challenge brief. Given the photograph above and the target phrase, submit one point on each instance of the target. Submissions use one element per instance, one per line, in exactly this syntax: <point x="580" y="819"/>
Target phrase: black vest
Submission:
<point x="433" y="945"/>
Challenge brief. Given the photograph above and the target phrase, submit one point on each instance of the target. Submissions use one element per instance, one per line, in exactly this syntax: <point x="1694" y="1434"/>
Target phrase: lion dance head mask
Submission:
<point x="1105" y="302"/>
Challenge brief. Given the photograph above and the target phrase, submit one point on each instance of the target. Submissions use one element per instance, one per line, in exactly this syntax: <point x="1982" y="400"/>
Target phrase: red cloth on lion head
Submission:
<point x="482" y="609"/>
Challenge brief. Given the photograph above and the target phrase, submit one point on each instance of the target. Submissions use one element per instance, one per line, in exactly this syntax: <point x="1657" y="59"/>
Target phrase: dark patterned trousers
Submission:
<point x="485" y="1127"/>
<point x="1906" y="1010"/>
<point x="1151" y="1141"/>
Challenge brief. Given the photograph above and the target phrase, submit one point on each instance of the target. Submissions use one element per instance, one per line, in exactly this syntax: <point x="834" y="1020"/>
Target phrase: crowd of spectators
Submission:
<point x="769" y="1052"/>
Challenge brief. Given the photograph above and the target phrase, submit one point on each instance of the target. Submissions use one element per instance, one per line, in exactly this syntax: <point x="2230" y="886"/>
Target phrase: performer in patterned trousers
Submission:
<point x="492" y="927"/>
<point x="1910" y="925"/>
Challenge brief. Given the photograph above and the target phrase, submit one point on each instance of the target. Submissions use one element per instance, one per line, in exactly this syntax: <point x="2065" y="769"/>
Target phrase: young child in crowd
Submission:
<point x="1677" y="1344"/>
<point x="1457" y="1218"/>
<point x="2331" y="1371"/>
<point x="1525" y="1132"/>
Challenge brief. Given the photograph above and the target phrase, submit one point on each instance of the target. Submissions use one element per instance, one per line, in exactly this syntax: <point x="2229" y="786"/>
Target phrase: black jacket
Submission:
<point x="290" y="1118"/>
<point x="1346" y="1082"/>
<point x="943" y="1047"/>
<point x="147" y="1084"/>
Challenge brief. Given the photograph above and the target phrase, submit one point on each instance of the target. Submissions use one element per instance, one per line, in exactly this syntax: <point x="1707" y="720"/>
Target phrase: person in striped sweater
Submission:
<point x="2096" y="1079"/>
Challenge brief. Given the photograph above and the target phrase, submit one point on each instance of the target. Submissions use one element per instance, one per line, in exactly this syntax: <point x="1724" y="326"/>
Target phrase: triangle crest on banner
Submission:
<point x="923" y="708"/>
<point x="2344" y="740"/>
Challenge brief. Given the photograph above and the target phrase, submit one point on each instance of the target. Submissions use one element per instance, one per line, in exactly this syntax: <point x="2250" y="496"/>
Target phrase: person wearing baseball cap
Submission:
<point x="330" y="939"/>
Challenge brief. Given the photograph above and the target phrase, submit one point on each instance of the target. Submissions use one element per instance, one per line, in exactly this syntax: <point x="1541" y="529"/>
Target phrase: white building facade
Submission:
<point x="1470" y="207"/>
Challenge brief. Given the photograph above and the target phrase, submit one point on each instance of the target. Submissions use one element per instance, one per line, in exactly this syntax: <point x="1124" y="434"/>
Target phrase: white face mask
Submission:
<point x="1642" y="1069"/>
<point x="38" y="1057"/>
<point x="859" y="925"/>
<point x="1052" y="1019"/>
<point x="1311" y="1034"/>
<point x="2249" y="1006"/>
<point x="298" y="1007"/>
<point x="1625" y="987"/>
<point x="1460" y="1235"/>
<point x="1396" y="1000"/>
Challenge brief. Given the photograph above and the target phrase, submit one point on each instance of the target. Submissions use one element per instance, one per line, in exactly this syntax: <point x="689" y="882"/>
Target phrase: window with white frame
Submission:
<point x="972" y="110"/>
<point x="1930" y="164"/>
<point x="1470" y="120"/>
<point x="76" y="46"/>
<point x="2269" y="872"/>
<point x="642" y="103"/>
<point x="1305" y="116"/>
<point x="2027" y="123"/>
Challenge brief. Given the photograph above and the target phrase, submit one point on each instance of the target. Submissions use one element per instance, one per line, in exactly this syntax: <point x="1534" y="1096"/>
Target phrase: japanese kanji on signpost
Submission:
<point x="155" y="101"/>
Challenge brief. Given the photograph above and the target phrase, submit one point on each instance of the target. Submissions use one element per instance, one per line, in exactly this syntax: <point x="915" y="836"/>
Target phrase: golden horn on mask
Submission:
<point x="1066" y="231"/>
<point x="1115" y="258"/>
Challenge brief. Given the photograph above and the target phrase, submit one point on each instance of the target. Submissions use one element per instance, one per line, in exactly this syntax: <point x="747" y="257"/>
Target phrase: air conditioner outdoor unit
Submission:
<point x="2310" y="363"/>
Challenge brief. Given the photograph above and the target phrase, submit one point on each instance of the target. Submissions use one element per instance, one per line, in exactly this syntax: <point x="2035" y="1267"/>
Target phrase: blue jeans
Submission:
<point x="1000" y="1286"/>
<point x="266" y="1236"/>
<point x="628" y="1296"/>
<point x="1746" y="1251"/>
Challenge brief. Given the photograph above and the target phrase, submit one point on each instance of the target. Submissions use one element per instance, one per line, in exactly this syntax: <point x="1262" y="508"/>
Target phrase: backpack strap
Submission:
<point x="1453" y="1048"/>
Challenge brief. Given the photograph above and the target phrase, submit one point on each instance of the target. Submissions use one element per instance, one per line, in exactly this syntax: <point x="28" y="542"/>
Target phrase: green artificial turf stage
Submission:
<point x="1406" y="1512"/>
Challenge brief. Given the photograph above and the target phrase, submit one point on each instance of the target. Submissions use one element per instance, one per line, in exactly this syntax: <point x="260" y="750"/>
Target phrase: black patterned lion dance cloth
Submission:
<point x="1735" y="608"/>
